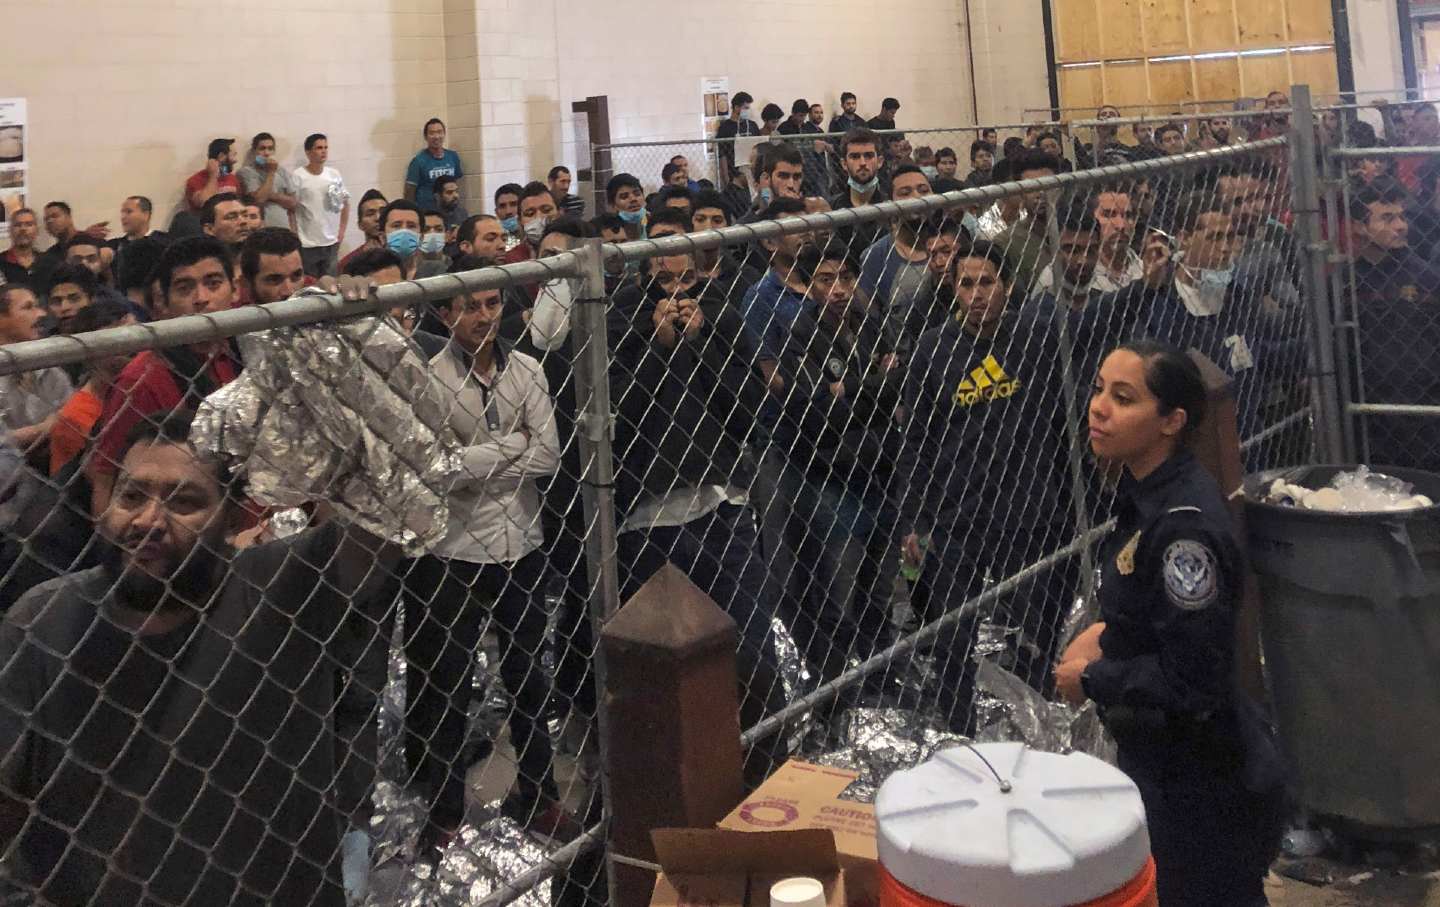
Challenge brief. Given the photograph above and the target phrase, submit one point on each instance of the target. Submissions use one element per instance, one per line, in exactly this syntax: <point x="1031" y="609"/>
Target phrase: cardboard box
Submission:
<point x="801" y="795"/>
<point x="704" y="867"/>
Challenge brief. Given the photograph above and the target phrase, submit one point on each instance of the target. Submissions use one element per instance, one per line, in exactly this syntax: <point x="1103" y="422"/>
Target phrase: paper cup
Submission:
<point x="797" y="892"/>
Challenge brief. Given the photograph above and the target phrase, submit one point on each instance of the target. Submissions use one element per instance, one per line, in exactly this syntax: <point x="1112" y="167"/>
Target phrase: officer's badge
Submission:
<point x="1409" y="293"/>
<point x="1192" y="578"/>
<point x="1125" y="560"/>
<point x="837" y="368"/>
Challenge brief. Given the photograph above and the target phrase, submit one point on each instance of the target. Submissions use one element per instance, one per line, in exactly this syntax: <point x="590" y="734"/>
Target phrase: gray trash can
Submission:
<point x="1351" y="626"/>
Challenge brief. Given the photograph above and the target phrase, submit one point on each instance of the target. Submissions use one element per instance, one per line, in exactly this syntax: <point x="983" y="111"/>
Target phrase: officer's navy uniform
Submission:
<point x="1197" y="748"/>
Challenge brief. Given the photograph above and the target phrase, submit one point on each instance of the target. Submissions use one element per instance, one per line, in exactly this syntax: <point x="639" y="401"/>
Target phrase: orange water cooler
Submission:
<point x="1002" y="825"/>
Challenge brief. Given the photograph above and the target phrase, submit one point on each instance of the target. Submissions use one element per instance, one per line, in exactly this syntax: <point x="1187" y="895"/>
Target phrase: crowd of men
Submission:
<point x="799" y="420"/>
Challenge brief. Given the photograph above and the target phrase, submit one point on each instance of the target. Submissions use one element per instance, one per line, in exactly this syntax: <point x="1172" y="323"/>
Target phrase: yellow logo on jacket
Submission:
<point x="987" y="382"/>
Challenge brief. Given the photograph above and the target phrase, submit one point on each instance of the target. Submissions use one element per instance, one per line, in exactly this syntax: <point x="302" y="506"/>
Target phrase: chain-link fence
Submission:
<point x="336" y="634"/>
<point x="1382" y="221"/>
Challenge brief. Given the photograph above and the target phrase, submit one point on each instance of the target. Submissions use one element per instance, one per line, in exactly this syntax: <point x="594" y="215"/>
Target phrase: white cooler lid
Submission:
<point x="1071" y="828"/>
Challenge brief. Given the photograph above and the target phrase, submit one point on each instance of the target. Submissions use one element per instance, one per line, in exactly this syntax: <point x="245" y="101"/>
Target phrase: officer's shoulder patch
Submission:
<point x="1192" y="580"/>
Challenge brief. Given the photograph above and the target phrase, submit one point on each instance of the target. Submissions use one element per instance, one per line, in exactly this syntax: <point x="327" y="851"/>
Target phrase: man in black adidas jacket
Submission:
<point x="686" y="394"/>
<point x="979" y="495"/>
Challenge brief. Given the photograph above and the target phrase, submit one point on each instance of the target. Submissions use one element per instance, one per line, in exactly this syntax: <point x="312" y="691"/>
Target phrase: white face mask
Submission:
<point x="1207" y="293"/>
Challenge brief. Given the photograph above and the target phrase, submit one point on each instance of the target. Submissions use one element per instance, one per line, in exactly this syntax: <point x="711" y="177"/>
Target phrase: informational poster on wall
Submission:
<point x="714" y="107"/>
<point x="13" y="165"/>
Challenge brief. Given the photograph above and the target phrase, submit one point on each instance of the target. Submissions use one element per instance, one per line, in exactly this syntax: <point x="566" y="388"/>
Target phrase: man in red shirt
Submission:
<point x="218" y="175"/>
<point x="196" y="276"/>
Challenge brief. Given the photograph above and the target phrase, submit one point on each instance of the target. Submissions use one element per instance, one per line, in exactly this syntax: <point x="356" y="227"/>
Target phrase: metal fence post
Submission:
<point x="1305" y="203"/>
<point x="595" y="430"/>
<point x="1077" y="442"/>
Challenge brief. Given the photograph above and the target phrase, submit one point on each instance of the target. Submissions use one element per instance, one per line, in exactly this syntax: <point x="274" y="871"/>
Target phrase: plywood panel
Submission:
<point x="1262" y="24"/>
<point x="1311" y="21"/>
<point x="1212" y="25"/>
<point x="1165" y="27"/>
<point x="1125" y="84"/>
<point x="1217" y="78"/>
<point x="1120" y="33"/>
<point x="1077" y="31"/>
<point x="1081" y="89"/>
<point x="1171" y="86"/>
<point x="1261" y="75"/>
<point x="1316" y="69"/>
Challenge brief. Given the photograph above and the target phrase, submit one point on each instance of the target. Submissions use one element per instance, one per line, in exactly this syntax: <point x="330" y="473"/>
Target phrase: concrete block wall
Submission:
<point x="127" y="101"/>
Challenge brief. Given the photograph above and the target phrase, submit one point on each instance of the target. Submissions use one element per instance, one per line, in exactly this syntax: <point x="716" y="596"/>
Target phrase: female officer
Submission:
<point x="1160" y="666"/>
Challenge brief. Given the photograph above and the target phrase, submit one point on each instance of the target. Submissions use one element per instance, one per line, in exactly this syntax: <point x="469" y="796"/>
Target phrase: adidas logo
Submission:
<point x="987" y="382"/>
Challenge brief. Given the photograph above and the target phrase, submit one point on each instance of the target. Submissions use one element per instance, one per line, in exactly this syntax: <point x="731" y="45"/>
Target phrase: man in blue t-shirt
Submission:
<point x="429" y="164"/>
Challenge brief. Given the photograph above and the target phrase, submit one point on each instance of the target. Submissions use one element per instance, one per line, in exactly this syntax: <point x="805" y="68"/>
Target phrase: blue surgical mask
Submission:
<point x="510" y="224"/>
<point x="632" y="217"/>
<point x="930" y="172"/>
<point x="224" y="169"/>
<point x="261" y="160"/>
<point x="864" y="188"/>
<point x="1216" y="277"/>
<point x="765" y="196"/>
<point x="432" y="243"/>
<point x="745" y="114"/>
<point x="403" y="242"/>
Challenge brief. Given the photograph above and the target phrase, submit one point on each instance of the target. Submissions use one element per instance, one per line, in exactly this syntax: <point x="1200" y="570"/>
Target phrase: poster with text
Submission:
<point x="714" y="109"/>
<point x="13" y="163"/>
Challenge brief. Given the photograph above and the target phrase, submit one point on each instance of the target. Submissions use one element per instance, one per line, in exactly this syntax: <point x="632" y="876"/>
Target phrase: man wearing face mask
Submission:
<point x="860" y="161"/>
<point x="1190" y="298"/>
<point x="537" y="210"/>
<point x="401" y="223"/>
<point x="218" y="174"/>
<point x="268" y="183"/>
<point x="738" y="125"/>
<point x="433" y="259"/>
<point x="507" y="209"/>
<point x="627" y="199"/>
<point x="893" y="268"/>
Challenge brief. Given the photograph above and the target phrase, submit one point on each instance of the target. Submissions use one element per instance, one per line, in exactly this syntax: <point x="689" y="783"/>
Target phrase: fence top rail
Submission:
<point x="317" y="307"/>
<point x="297" y="310"/>
<point x="638" y="250"/>
<point x="1405" y="151"/>
<point x="930" y="130"/>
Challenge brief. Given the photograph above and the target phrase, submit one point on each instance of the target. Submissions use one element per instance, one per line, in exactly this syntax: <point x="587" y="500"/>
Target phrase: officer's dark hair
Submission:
<point x="373" y="261"/>
<point x="668" y="217"/>
<point x="860" y="135"/>
<point x="808" y="262"/>
<point x="265" y="241"/>
<point x="982" y="248"/>
<point x="1174" y="378"/>
<point x="1383" y="191"/>
<point x="709" y="198"/>
<point x="172" y="428"/>
<point x="621" y="181"/>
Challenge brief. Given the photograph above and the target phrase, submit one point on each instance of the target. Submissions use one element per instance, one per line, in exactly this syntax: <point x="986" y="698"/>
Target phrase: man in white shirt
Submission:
<point x="488" y="573"/>
<point x="322" y="209"/>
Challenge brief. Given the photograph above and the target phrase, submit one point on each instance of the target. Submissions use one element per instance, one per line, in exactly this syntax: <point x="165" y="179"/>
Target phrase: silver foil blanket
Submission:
<point x="341" y="412"/>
